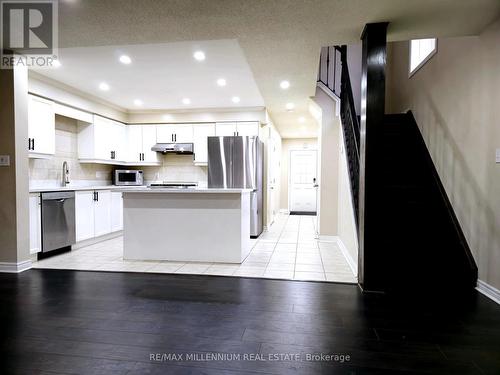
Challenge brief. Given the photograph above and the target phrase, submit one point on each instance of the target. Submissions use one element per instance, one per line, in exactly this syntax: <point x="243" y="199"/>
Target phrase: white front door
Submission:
<point x="302" y="181"/>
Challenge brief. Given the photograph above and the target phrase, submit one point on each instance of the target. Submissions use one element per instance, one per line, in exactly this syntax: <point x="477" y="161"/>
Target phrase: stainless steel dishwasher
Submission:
<point x="58" y="220"/>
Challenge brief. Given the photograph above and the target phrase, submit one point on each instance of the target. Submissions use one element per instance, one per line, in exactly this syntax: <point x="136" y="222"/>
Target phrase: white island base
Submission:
<point x="205" y="225"/>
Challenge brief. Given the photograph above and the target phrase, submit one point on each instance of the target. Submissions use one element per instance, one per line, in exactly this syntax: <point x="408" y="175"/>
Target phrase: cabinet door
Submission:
<point x="148" y="141"/>
<point x="116" y="211"/>
<point x="84" y="214"/>
<point x="165" y="133"/>
<point x="102" y="213"/>
<point x="35" y="223"/>
<point x="119" y="139"/>
<point x="223" y="129"/>
<point x="201" y="134"/>
<point x="103" y="138"/>
<point x="134" y="142"/>
<point x="183" y="133"/>
<point x="249" y="129"/>
<point x="41" y="126"/>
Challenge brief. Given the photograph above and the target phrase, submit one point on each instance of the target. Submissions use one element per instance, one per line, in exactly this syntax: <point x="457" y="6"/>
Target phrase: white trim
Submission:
<point x="423" y="62"/>
<point x="348" y="257"/>
<point x="489" y="291"/>
<point x="324" y="238"/>
<point x="92" y="241"/>
<point x="329" y="92"/>
<point x="11" y="267"/>
<point x="345" y="252"/>
<point x="284" y="211"/>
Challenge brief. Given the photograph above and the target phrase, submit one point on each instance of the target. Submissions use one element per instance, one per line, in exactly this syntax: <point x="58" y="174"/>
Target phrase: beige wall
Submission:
<point x="287" y="145"/>
<point x="455" y="98"/>
<point x="14" y="214"/>
<point x="328" y="142"/>
<point x="347" y="230"/>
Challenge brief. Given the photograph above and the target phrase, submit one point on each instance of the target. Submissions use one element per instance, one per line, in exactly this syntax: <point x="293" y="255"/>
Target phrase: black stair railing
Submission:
<point x="334" y="75"/>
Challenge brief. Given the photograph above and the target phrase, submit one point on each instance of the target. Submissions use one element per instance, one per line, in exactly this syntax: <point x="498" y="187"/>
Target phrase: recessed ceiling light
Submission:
<point x="199" y="55"/>
<point x="124" y="59"/>
<point x="289" y="106"/>
<point x="302" y="119"/>
<point x="221" y="82"/>
<point x="235" y="99"/>
<point x="103" y="86"/>
<point x="186" y="101"/>
<point x="56" y="63"/>
<point x="284" y="85"/>
<point x="138" y="102"/>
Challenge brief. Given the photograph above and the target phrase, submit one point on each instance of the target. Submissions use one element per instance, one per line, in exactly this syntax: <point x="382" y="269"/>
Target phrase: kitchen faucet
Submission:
<point x="65" y="174"/>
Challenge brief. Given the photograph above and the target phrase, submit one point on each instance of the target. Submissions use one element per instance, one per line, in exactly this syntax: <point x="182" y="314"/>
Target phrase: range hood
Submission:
<point x="173" y="148"/>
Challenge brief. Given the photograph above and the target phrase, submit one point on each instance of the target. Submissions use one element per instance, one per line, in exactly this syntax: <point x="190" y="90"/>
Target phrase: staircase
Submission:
<point x="424" y="246"/>
<point x="417" y="244"/>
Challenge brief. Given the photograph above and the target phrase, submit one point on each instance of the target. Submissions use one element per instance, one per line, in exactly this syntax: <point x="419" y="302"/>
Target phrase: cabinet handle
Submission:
<point x="97" y="195"/>
<point x="33" y="144"/>
<point x="143" y="156"/>
<point x="29" y="144"/>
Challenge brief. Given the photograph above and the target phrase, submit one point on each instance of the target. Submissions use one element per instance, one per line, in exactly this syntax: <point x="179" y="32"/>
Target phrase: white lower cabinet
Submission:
<point x="116" y="211"/>
<point x="84" y="211"/>
<point x="97" y="213"/>
<point x="102" y="213"/>
<point x="35" y="223"/>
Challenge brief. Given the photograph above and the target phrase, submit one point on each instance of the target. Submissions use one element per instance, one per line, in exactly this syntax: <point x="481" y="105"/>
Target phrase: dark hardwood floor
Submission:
<point x="76" y="322"/>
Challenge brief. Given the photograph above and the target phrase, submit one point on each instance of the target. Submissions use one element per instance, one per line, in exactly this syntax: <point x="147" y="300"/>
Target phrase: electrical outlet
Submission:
<point x="498" y="155"/>
<point x="4" y="160"/>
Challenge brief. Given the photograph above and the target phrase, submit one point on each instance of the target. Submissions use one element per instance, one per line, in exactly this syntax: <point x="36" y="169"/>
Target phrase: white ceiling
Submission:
<point x="280" y="39"/>
<point x="161" y="75"/>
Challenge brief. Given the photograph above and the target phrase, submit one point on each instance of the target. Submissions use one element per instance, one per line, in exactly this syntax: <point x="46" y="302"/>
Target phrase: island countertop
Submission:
<point x="197" y="190"/>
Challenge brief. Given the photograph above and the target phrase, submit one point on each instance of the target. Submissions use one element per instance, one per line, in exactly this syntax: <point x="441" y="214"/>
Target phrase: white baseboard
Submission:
<point x="352" y="264"/>
<point x="350" y="261"/>
<point x="92" y="241"/>
<point x="489" y="291"/>
<point x="284" y="211"/>
<point x="11" y="267"/>
<point x="324" y="238"/>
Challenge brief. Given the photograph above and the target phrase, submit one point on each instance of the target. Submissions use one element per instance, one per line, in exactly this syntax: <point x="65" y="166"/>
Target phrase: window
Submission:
<point x="421" y="50"/>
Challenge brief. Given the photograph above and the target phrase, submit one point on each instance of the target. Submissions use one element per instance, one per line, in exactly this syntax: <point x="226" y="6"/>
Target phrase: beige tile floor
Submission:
<point x="288" y="250"/>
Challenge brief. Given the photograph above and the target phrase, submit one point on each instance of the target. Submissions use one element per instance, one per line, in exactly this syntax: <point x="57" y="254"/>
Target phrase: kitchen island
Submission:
<point x="197" y="224"/>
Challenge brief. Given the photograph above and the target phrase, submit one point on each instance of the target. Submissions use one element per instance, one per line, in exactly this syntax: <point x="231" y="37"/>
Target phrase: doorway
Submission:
<point x="302" y="183"/>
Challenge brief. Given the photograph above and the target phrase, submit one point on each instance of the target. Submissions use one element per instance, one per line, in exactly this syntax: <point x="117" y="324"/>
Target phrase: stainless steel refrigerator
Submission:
<point x="238" y="162"/>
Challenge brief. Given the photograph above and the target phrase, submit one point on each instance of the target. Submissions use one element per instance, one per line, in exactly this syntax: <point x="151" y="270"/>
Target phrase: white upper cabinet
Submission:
<point x="41" y="127"/>
<point x="77" y="114"/>
<point x="223" y="129"/>
<point x="140" y="140"/>
<point x="134" y="133"/>
<point x="174" y="133"/>
<point x="148" y="141"/>
<point x="201" y="133"/>
<point x="246" y="128"/>
<point x="103" y="140"/>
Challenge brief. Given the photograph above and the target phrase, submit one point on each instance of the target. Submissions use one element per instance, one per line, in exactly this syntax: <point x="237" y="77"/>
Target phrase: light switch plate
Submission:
<point x="498" y="155"/>
<point x="4" y="160"/>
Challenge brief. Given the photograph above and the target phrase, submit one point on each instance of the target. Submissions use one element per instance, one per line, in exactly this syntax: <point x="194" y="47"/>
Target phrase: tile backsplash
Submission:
<point x="48" y="172"/>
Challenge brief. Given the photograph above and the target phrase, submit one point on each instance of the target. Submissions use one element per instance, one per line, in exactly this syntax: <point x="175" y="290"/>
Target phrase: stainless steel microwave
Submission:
<point x="123" y="177"/>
